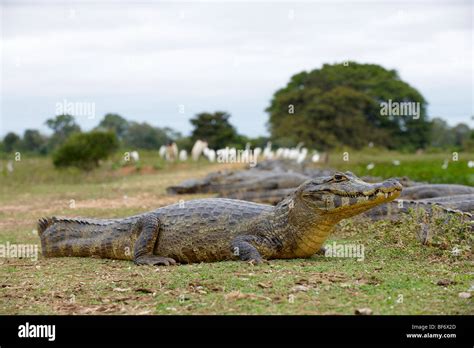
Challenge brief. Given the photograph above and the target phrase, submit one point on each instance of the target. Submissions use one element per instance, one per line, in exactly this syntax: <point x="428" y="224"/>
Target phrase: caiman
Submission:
<point x="436" y="190"/>
<point x="217" y="229"/>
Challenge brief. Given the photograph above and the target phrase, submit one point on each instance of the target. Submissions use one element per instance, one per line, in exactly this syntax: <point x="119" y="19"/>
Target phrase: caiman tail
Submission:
<point x="83" y="237"/>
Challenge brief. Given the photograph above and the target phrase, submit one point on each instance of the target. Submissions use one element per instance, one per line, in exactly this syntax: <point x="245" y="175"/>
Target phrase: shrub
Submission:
<point x="85" y="150"/>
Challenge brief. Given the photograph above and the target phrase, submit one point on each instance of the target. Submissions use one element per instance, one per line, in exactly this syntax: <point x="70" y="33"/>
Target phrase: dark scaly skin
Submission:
<point x="269" y="183"/>
<point x="268" y="197"/>
<point x="217" y="229"/>
<point x="392" y="210"/>
<point x="240" y="182"/>
<point x="435" y="190"/>
<point x="459" y="202"/>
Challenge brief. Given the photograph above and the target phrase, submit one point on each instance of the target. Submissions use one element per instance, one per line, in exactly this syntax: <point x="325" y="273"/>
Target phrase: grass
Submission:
<point x="420" y="167"/>
<point x="397" y="276"/>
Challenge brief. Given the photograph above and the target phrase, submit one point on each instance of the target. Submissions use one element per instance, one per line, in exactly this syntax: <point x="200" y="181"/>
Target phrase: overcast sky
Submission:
<point x="145" y="60"/>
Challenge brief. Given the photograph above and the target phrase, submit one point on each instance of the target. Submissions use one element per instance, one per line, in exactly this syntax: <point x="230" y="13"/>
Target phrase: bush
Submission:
<point x="85" y="150"/>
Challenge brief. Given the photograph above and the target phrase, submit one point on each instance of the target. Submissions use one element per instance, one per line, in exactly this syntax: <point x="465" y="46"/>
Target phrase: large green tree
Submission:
<point x="214" y="128"/>
<point x="341" y="105"/>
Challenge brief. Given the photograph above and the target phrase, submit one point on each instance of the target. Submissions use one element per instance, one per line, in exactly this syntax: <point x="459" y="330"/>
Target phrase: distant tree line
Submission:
<point x="215" y="128"/>
<point x="70" y="146"/>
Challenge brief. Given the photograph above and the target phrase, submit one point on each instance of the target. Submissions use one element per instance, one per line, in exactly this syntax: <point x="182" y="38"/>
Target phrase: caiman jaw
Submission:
<point x="351" y="203"/>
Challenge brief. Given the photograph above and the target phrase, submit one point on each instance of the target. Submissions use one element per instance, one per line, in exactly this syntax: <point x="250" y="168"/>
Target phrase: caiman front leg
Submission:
<point x="149" y="229"/>
<point x="252" y="248"/>
<point x="321" y="251"/>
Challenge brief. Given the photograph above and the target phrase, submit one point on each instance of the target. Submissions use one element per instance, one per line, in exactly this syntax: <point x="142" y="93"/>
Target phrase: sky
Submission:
<point x="163" y="62"/>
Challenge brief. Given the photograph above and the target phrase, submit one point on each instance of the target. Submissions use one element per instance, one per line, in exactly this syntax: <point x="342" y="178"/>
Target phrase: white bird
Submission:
<point x="316" y="157"/>
<point x="257" y="152"/>
<point x="198" y="149"/>
<point x="135" y="156"/>
<point x="445" y="164"/>
<point x="396" y="162"/>
<point x="10" y="166"/>
<point x="302" y="155"/>
<point x="267" y="152"/>
<point x="279" y="152"/>
<point x="470" y="164"/>
<point x="183" y="155"/>
<point x="162" y="151"/>
<point x="370" y="166"/>
<point x="211" y="155"/>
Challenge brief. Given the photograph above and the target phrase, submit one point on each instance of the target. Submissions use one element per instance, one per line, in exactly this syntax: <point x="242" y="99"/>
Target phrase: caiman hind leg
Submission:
<point x="148" y="232"/>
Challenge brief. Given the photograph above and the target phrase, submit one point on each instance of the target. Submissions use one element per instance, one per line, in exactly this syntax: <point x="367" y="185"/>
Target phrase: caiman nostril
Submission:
<point x="392" y="183"/>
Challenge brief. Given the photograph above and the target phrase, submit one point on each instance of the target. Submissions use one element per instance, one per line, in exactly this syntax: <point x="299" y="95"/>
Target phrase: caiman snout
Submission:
<point x="389" y="185"/>
<point x="392" y="183"/>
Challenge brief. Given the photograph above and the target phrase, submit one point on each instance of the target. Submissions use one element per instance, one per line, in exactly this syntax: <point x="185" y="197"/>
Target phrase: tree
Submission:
<point x="341" y="105"/>
<point x="260" y="141"/>
<point x="85" y="150"/>
<point x="114" y="123"/>
<point x="461" y="133"/>
<point x="11" y="142"/>
<point x="33" y="141"/>
<point x="215" y="129"/>
<point x="441" y="135"/>
<point x="145" y="136"/>
<point x="468" y="144"/>
<point x="62" y="126"/>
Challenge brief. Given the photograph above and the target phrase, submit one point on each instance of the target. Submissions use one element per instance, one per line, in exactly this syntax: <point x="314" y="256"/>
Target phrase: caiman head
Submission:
<point x="344" y="195"/>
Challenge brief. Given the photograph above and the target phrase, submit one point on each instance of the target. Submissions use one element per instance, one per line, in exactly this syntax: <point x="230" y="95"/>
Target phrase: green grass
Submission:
<point x="396" y="266"/>
<point x="422" y="167"/>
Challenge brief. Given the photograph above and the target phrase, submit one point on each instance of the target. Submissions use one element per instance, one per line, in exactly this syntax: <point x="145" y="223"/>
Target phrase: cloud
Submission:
<point x="143" y="61"/>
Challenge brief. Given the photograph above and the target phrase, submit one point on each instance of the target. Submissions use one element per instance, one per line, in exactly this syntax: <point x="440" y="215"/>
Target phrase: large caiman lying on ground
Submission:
<point x="217" y="229"/>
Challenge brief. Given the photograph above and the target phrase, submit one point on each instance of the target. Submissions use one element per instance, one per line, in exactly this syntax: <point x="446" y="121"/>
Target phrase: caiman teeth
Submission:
<point x="368" y="195"/>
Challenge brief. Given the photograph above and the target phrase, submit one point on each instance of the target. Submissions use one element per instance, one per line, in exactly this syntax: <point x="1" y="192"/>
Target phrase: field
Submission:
<point x="398" y="275"/>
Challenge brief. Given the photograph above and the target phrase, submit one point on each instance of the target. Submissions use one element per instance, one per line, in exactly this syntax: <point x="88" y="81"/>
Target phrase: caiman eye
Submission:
<point x="339" y="177"/>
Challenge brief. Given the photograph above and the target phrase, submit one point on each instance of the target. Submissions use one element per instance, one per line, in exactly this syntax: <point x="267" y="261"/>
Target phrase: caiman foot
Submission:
<point x="153" y="260"/>
<point x="321" y="251"/>
<point x="257" y="261"/>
